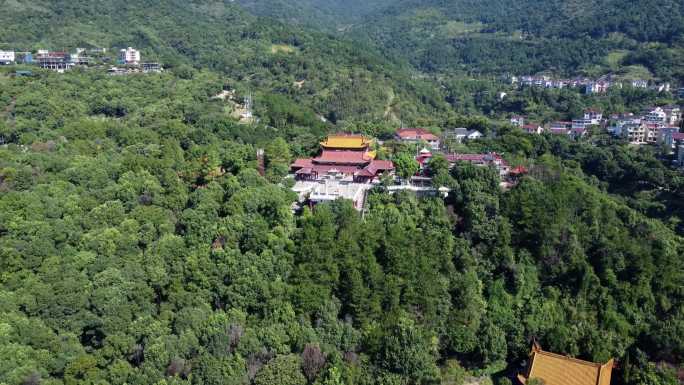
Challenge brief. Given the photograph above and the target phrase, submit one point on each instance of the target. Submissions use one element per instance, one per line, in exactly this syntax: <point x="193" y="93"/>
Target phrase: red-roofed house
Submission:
<point x="424" y="157"/>
<point x="417" y="135"/>
<point x="519" y="170"/>
<point x="560" y="127"/>
<point x="488" y="159"/>
<point x="53" y="60"/>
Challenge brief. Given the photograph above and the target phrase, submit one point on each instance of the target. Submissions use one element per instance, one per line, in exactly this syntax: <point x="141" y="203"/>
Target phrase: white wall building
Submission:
<point x="7" y="57"/>
<point x="593" y="116"/>
<point x="129" y="56"/>
<point x="655" y="116"/>
<point x="518" y="120"/>
<point x="673" y="113"/>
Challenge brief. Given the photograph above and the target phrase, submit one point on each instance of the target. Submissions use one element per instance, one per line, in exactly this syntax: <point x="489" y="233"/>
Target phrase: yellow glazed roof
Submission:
<point x="556" y="369"/>
<point x="346" y="141"/>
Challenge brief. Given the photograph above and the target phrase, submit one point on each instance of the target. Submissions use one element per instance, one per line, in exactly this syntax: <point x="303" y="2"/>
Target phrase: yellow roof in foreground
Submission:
<point x="346" y="141"/>
<point x="556" y="369"/>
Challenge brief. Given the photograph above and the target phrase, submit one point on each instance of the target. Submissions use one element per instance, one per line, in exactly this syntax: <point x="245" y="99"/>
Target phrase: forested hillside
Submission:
<point x="329" y="15"/>
<point x="334" y="77"/>
<point x="144" y="241"/>
<point x="531" y="36"/>
<point x="632" y="39"/>
<point x="142" y="247"/>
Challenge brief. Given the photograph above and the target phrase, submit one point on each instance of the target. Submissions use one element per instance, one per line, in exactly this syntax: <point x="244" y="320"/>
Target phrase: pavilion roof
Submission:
<point x="343" y="157"/>
<point x="346" y="141"/>
<point x="556" y="369"/>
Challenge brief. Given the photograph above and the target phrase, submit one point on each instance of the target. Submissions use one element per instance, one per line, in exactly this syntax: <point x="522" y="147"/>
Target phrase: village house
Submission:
<point x="655" y="116"/>
<point x="23" y="57"/>
<point x="627" y="117"/>
<point x="7" y="57"/>
<point x="489" y="159"/>
<point x="80" y="58"/>
<point x="418" y="135"/>
<point x="640" y="83"/>
<point x="517" y="120"/>
<point x="533" y="128"/>
<point x="461" y="134"/>
<point x="129" y="56"/>
<point x="580" y="124"/>
<point x="618" y="122"/>
<point x="673" y="114"/>
<point x="560" y="127"/>
<point x="666" y="136"/>
<point x="664" y="87"/>
<point x="644" y="133"/>
<point x="594" y="117"/>
<point x="54" y="60"/>
<point x="556" y="369"/>
<point x="152" y="68"/>
<point x="590" y="117"/>
<point x="635" y="133"/>
<point x="598" y="87"/>
<point x="678" y="144"/>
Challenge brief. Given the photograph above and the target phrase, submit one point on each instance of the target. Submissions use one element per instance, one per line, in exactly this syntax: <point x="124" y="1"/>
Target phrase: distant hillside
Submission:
<point x="532" y="35"/>
<point x="330" y="15"/>
<point x="323" y="74"/>
<point x="633" y="39"/>
<point x="641" y="20"/>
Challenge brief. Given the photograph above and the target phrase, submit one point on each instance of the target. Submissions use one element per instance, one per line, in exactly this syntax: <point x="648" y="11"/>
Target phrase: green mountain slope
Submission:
<point x="496" y="36"/>
<point x="140" y="244"/>
<point x="330" y="15"/>
<point x="528" y="36"/>
<point x="334" y="77"/>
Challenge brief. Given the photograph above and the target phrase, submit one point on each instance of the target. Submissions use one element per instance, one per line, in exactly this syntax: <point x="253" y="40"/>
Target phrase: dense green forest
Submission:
<point x="337" y="77"/>
<point x="127" y="258"/>
<point x="641" y="39"/>
<point x="139" y="244"/>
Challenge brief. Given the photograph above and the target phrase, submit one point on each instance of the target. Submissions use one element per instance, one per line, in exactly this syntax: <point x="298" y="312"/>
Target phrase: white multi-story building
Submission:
<point x="673" y="113"/>
<point x="581" y="124"/>
<point x="129" y="56"/>
<point x="641" y="133"/>
<point x="598" y="87"/>
<point x="7" y="57"/>
<point x="639" y="83"/>
<point x="621" y="120"/>
<point x="594" y="117"/>
<point x="655" y="116"/>
<point x="635" y="133"/>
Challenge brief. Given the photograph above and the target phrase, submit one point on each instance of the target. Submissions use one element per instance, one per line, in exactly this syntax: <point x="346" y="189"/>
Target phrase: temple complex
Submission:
<point x="343" y="155"/>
